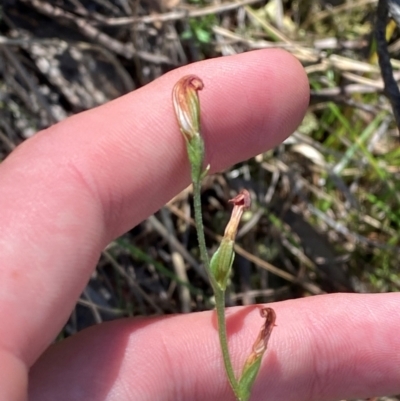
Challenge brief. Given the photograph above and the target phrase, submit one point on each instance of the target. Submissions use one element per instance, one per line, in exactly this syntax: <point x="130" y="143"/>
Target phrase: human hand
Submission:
<point x="74" y="187"/>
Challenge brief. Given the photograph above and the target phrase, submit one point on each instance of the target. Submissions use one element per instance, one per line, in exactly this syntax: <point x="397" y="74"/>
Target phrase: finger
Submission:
<point x="80" y="183"/>
<point x="323" y="348"/>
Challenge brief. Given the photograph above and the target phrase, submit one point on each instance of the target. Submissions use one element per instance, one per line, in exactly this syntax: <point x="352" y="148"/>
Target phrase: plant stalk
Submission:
<point x="223" y="339"/>
<point x="198" y="218"/>
<point x="218" y="293"/>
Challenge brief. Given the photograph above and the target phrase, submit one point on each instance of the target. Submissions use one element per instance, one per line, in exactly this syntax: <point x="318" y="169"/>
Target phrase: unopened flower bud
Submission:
<point x="187" y="105"/>
<point x="187" y="110"/>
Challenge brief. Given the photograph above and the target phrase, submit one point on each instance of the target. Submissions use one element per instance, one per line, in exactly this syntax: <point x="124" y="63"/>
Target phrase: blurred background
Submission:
<point x="325" y="214"/>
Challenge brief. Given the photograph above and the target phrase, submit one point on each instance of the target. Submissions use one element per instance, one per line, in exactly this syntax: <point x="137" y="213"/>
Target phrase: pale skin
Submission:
<point x="71" y="189"/>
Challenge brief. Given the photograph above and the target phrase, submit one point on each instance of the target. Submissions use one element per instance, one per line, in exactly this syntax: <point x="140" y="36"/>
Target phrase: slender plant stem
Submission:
<point x="198" y="217"/>
<point x="220" y="306"/>
<point x="219" y="294"/>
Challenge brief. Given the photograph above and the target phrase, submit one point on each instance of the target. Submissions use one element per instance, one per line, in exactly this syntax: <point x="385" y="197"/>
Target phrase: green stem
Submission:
<point x="219" y="294"/>
<point x="220" y="306"/>
<point x="198" y="217"/>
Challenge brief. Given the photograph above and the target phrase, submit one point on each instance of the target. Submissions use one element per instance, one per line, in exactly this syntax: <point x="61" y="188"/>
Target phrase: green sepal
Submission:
<point x="221" y="263"/>
<point x="195" y="151"/>
<point x="248" y="377"/>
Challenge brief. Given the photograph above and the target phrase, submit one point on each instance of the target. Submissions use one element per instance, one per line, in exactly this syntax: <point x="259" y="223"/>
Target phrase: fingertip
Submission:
<point x="251" y="102"/>
<point x="291" y="95"/>
<point x="273" y="95"/>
